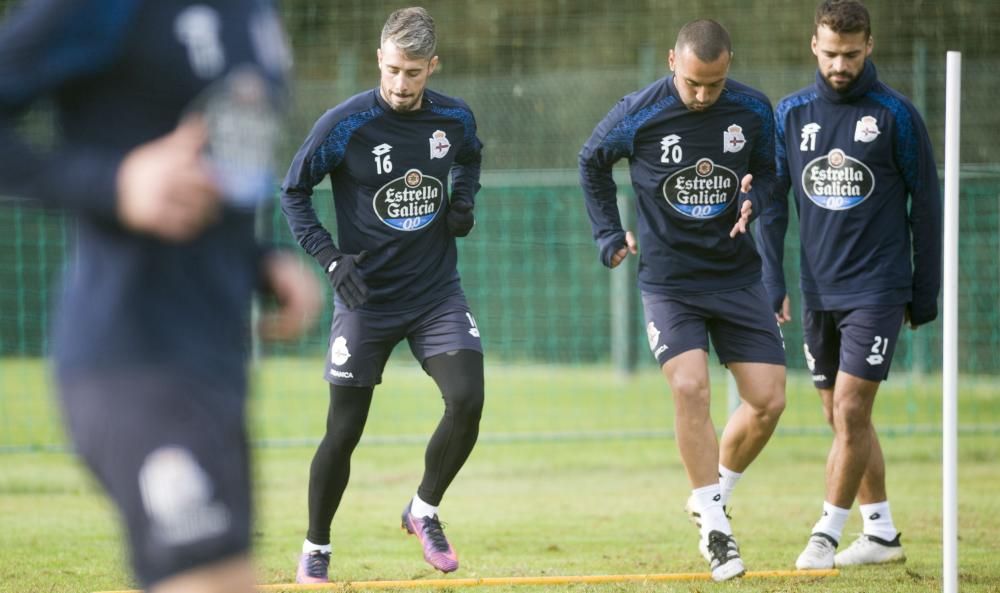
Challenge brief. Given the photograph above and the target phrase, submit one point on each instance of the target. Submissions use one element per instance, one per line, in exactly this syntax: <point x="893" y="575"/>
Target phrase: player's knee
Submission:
<point x="851" y="418"/>
<point x="689" y="389"/>
<point x="773" y="407"/>
<point x="464" y="400"/>
<point x="342" y="438"/>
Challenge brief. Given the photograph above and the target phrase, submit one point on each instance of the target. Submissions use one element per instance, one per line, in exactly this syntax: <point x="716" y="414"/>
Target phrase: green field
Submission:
<point x="575" y="475"/>
<point x="524" y="402"/>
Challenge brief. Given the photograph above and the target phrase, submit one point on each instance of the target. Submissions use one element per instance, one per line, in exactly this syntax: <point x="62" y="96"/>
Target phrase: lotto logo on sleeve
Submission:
<point x="410" y="202"/>
<point x="703" y="190"/>
<point x="836" y="181"/>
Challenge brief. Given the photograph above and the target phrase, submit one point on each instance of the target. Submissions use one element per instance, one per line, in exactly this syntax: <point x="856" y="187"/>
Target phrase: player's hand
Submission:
<point x="164" y="188"/>
<point x="785" y="315"/>
<point x="346" y="280"/>
<point x="630" y="247"/>
<point x="460" y="218"/>
<point x="746" y="208"/>
<point x="297" y="293"/>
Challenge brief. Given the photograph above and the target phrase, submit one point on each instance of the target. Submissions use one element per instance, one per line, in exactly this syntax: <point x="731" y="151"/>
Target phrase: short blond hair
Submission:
<point x="412" y="31"/>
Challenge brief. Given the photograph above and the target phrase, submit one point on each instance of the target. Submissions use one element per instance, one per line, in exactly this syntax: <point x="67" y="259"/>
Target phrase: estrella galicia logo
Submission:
<point x="410" y="202"/>
<point x="836" y="181"/>
<point x="703" y="190"/>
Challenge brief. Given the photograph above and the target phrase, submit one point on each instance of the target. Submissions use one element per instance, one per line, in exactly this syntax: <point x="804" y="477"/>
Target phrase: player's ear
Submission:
<point x="432" y="65"/>
<point x="813" y="45"/>
<point x="670" y="59"/>
<point x="869" y="46"/>
<point x="378" y="53"/>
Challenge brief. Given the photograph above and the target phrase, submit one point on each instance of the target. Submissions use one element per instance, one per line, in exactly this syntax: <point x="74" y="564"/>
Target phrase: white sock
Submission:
<point x="727" y="481"/>
<point x="878" y="520"/>
<point x="708" y="500"/>
<point x="308" y="546"/>
<point x="420" y="508"/>
<point x="832" y="522"/>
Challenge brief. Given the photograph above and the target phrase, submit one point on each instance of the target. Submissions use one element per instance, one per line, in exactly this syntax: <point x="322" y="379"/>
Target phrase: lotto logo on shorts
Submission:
<point x="652" y="334"/>
<point x="810" y="361"/>
<point x="473" y="329"/>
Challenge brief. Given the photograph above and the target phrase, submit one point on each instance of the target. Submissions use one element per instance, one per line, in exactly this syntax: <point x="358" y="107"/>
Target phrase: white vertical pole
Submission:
<point x="732" y="395"/>
<point x="623" y="301"/>
<point x="949" y="419"/>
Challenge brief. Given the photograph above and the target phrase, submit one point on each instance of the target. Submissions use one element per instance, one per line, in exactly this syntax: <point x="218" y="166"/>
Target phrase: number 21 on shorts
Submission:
<point x="879" y="348"/>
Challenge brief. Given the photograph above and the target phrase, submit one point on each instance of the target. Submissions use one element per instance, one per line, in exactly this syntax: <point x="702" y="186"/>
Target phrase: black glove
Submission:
<point x="460" y="218"/>
<point x="347" y="281"/>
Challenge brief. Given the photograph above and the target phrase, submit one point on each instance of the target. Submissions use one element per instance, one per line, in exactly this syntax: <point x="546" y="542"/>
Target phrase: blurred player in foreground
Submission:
<point x="166" y="115"/>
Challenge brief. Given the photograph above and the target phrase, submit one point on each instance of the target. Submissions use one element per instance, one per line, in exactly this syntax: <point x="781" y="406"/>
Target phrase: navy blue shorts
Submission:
<point x="361" y="341"/>
<point x="742" y="326"/>
<point x="171" y="452"/>
<point x="859" y="342"/>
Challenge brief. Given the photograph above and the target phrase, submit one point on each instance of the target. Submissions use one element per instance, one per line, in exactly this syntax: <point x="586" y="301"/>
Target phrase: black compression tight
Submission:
<point x="331" y="465"/>
<point x="459" y="376"/>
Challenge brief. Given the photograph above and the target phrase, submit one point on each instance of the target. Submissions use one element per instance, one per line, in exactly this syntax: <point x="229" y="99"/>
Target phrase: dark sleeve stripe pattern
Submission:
<point x="331" y="151"/>
<point x="469" y="140"/>
<point x="907" y="147"/>
<point x="619" y="140"/>
<point x="763" y="111"/>
<point x="781" y="116"/>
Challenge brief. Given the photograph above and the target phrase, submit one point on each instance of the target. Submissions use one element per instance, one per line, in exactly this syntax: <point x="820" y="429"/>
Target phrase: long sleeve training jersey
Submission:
<point x="686" y="167"/>
<point x="852" y="159"/>
<point x="390" y="174"/>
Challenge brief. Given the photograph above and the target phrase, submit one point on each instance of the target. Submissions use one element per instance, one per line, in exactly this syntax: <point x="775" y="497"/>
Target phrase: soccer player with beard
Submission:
<point x="701" y="154"/>
<point x="853" y="151"/>
<point x="389" y="153"/>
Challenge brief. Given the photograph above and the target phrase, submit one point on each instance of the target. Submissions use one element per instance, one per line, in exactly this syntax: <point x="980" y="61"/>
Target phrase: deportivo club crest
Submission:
<point x="439" y="144"/>
<point x="837" y="181"/>
<point x="866" y="130"/>
<point x="410" y="202"/>
<point x="339" y="352"/>
<point x="702" y="190"/>
<point x="732" y="139"/>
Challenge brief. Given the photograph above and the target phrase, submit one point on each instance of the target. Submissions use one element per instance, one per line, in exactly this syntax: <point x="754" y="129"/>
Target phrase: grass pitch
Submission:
<point x="602" y="493"/>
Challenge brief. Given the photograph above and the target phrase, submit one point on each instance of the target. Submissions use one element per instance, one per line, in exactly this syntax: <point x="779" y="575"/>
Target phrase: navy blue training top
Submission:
<point x="120" y="73"/>
<point x="686" y="168"/>
<point x="851" y="160"/>
<point x="390" y="174"/>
